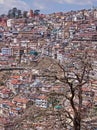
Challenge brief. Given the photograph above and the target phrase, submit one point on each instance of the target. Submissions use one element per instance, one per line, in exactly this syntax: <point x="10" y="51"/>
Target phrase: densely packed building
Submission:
<point x="26" y="41"/>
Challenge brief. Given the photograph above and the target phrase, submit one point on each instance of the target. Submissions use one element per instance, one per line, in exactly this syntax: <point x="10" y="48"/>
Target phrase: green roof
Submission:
<point x="33" y="52"/>
<point x="58" y="107"/>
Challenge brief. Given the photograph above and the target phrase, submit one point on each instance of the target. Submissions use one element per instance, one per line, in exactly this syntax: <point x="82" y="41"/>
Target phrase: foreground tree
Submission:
<point x="75" y="75"/>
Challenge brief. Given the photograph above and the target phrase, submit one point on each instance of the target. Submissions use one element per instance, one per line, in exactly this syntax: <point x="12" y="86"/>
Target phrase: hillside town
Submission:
<point x="30" y="48"/>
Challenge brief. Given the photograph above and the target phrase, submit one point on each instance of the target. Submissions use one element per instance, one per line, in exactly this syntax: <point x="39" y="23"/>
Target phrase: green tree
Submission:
<point x="53" y="98"/>
<point x="25" y="14"/>
<point x="36" y="12"/>
<point x="19" y="13"/>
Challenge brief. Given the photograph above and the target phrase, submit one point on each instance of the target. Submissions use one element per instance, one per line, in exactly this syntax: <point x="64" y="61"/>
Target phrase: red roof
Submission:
<point x="15" y="81"/>
<point x="5" y="91"/>
<point x="16" y="76"/>
<point x="20" y="100"/>
<point x="86" y="89"/>
<point x="43" y="97"/>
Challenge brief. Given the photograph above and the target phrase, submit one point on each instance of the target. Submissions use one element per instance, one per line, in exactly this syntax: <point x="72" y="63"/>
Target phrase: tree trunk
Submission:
<point x="77" y="122"/>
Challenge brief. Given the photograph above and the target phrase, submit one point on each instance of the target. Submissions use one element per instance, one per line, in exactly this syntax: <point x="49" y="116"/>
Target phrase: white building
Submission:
<point x="9" y="22"/>
<point x="6" y="51"/>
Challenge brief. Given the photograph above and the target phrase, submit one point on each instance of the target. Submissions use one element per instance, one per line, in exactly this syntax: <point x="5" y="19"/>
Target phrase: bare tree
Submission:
<point x="74" y="76"/>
